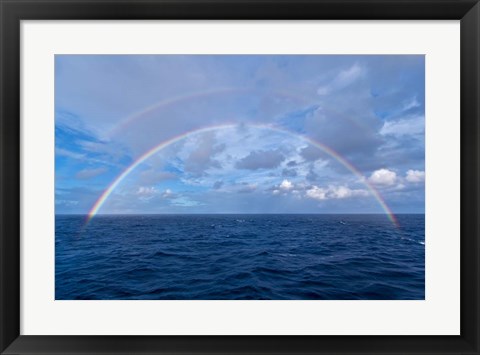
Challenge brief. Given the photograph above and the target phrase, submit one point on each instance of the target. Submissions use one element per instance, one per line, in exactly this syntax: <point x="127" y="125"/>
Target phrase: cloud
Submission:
<point x="152" y="176"/>
<point x="368" y="109"/>
<point x="184" y="201"/>
<point x="168" y="194"/>
<point x="340" y="192"/>
<point x="261" y="159"/>
<point x="202" y="157"/>
<point x="217" y="185"/>
<point x="415" y="176"/>
<point x="90" y="173"/>
<point x="312" y="175"/>
<point x="334" y="128"/>
<point x="286" y="185"/>
<point x="343" y="79"/>
<point x="317" y="193"/>
<point x="311" y="153"/>
<point x="412" y="126"/>
<point x="289" y="172"/>
<point x="146" y="192"/>
<point x="247" y="188"/>
<point x="412" y="103"/>
<point x="66" y="203"/>
<point x="334" y="193"/>
<point x="69" y="154"/>
<point x="383" y="177"/>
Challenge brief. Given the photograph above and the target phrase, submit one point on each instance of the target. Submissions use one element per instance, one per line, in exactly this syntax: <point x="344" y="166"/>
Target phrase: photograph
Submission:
<point x="239" y="177"/>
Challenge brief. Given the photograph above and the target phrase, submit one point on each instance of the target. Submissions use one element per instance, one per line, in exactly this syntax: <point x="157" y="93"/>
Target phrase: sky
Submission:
<point x="239" y="134"/>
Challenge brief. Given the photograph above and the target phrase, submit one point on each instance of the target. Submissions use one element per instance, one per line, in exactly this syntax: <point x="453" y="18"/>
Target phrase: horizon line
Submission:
<point x="235" y="213"/>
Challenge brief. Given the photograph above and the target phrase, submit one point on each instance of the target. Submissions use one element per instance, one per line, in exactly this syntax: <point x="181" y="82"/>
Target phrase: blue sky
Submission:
<point x="282" y="128"/>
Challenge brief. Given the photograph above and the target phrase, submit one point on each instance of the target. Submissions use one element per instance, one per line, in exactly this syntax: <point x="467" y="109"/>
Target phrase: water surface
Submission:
<point x="211" y="257"/>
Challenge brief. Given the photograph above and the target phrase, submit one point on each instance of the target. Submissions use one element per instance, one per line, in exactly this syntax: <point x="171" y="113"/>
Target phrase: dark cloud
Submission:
<point x="261" y="159"/>
<point x="348" y="133"/>
<point x="289" y="172"/>
<point x="217" y="185"/>
<point x="247" y="188"/>
<point x="311" y="153"/>
<point x="202" y="158"/>
<point x="312" y="176"/>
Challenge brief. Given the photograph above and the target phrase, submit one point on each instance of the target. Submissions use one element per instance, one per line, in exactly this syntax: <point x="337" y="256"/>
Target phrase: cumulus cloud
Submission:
<point x="334" y="192"/>
<point x="261" y="159"/>
<point x="383" y="177"/>
<point x="369" y="109"/>
<point x="317" y="193"/>
<point x="146" y="192"/>
<point x="168" y="194"/>
<point x="345" y="192"/>
<point x="284" y="188"/>
<point x="415" y="176"/>
<point x="286" y="185"/>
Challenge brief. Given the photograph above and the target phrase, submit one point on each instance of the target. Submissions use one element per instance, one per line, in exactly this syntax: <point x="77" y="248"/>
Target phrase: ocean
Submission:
<point x="239" y="257"/>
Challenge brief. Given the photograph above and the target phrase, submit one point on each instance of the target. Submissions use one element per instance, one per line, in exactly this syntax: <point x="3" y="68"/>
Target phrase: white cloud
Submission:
<point x="350" y="75"/>
<point x="383" y="177"/>
<point x="146" y="193"/>
<point x="286" y="185"/>
<point x="167" y="193"/>
<point x="69" y="154"/>
<point x="343" y="79"/>
<point x="404" y="127"/>
<point x="412" y="103"/>
<point x="66" y="202"/>
<point x="317" y="193"/>
<point x="334" y="193"/>
<point x="340" y="192"/>
<point x="415" y="176"/>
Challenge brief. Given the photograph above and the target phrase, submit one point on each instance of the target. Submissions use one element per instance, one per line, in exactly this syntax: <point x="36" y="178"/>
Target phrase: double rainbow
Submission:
<point x="329" y="151"/>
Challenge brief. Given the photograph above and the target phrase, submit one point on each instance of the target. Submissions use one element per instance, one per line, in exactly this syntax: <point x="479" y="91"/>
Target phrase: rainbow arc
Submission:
<point x="157" y="148"/>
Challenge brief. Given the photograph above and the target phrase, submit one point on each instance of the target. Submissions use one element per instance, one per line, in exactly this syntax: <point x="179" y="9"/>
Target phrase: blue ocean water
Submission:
<point x="193" y="257"/>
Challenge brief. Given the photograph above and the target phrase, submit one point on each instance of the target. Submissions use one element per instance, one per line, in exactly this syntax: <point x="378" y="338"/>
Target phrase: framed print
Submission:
<point x="238" y="177"/>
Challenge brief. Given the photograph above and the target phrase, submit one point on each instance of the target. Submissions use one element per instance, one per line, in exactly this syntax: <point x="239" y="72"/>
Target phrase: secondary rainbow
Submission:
<point x="171" y="101"/>
<point x="181" y="99"/>
<point x="375" y="193"/>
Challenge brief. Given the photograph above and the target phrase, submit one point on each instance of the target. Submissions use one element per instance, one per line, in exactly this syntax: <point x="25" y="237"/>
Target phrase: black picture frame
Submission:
<point x="12" y="12"/>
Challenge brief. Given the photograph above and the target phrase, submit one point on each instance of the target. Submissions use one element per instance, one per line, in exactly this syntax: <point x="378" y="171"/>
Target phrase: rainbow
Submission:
<point x="104" y="196"/>
<point x="171" y="101"/>
<point x="175" y="100"/>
